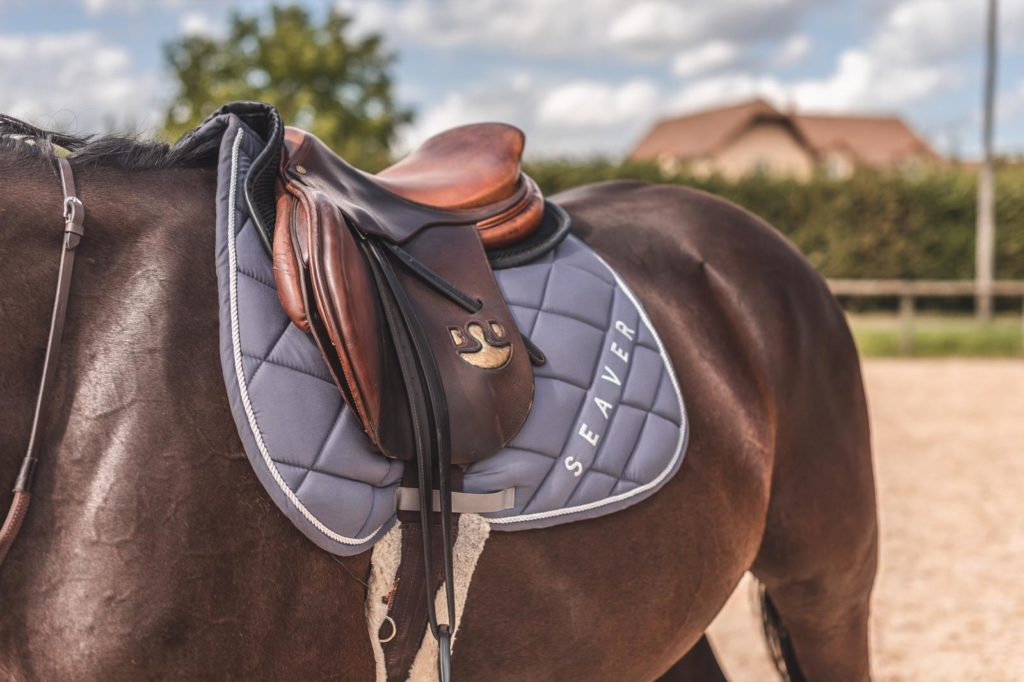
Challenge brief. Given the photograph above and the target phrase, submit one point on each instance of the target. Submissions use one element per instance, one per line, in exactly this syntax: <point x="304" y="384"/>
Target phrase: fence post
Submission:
<point x="906" y="324"/>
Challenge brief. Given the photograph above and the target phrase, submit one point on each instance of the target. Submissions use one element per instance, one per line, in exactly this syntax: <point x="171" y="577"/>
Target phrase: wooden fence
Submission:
<point x="909" y="290"/>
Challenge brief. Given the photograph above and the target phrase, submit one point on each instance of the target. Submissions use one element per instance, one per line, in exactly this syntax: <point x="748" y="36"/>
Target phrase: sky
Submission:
<point x="581" y="77"/>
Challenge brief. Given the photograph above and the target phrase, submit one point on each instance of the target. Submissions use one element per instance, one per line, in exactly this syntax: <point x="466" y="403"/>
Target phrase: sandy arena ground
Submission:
<point x="949" y="462"/>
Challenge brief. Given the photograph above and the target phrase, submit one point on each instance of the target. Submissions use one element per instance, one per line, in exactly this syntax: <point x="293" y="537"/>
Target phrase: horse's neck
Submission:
<point x="140" y="366"/>
<point x="144" y="520"/>
<point x="138" y="404"/>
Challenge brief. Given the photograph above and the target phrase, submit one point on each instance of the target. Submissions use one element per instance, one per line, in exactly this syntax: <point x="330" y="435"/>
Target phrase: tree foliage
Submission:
<point x="320" y="77"/>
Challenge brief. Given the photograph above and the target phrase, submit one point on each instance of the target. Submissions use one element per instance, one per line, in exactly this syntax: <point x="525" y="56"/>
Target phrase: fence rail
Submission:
<point x="921" y="288"/>
<point x="909" y="290"/>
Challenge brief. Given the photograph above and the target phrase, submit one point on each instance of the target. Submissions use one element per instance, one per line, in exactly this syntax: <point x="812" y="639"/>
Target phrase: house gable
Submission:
<point x="754" y="136"/>
<point x="766" y="145"/>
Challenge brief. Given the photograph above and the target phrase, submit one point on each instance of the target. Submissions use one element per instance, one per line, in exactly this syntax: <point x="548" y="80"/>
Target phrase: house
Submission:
<point x="755" y="137"/>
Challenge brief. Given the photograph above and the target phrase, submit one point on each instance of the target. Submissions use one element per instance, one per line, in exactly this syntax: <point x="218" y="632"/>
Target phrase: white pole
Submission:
<point x="986" y="225"/>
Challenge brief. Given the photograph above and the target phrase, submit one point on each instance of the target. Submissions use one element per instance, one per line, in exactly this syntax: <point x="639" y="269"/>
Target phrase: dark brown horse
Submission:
<point x="152" y="552"/>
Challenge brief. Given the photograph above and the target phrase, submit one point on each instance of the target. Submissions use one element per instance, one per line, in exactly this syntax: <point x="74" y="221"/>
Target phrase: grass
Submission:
<point x="940" y="336"/>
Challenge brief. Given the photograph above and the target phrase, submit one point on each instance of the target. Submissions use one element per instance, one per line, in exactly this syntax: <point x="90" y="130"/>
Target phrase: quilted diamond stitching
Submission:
<point x="542" y="311"/>
<point x="319" y="454"/>
<point x="575" y="419"/>
<point x="257" y="279"/>
<point x="268" y="361"/>
<point x="270" y="352"/>
<point x="543" y="297"/>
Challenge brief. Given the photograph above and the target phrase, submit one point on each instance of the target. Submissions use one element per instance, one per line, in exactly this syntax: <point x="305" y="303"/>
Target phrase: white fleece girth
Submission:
<point x="387" y="555"/>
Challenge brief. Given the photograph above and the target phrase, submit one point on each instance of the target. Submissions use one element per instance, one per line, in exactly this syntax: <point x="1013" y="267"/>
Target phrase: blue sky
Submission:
<point x="580" y="76"/>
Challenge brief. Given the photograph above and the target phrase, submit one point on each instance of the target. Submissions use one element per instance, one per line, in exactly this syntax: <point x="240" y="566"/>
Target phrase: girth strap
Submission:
<point x="74" y="224"/>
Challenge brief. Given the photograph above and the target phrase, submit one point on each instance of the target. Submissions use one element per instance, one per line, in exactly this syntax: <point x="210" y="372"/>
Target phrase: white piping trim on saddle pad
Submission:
<point x="684" y="427"/>
<point x="243" y="390"/>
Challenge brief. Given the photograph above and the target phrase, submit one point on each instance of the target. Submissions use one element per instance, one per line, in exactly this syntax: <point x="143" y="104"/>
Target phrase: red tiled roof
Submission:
<point x="877" y="141"/>
<point x="699" y="134"/>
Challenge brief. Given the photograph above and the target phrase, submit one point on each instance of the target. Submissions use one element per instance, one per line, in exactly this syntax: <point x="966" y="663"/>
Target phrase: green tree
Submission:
<point x="322" y="79"/>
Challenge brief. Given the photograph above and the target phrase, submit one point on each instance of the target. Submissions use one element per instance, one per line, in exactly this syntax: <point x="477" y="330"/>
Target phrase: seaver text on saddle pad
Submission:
<point x="608" y="426"/>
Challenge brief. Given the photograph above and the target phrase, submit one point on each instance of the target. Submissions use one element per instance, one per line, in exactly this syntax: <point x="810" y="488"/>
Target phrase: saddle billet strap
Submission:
<point x="74" y="229"/>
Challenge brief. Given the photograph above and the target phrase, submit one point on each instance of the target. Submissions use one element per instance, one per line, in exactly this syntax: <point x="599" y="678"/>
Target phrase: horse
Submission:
<point x="152" y="552"/>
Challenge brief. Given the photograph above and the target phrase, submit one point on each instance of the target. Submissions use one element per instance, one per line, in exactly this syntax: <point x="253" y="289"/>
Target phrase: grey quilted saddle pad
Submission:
<point x="607" y="429"/>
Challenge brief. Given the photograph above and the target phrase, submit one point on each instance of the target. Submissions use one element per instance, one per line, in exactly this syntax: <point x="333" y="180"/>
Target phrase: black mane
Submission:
<point x="21" y="141"/>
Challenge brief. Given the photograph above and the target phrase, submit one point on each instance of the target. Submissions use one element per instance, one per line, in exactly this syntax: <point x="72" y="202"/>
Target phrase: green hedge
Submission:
<point x="874" y="225"/>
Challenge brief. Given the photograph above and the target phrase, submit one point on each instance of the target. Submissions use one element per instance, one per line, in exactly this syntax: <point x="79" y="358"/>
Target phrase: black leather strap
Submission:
<point x="431" y="431"/>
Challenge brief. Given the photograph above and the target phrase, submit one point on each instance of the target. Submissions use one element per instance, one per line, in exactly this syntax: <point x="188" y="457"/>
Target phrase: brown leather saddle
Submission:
<point x="390" y="274"/>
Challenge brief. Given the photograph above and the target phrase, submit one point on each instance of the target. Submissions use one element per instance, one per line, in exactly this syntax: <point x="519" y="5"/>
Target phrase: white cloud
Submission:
<point x="510" y="99"/>
<point x="862" y="81"/>
<point x="917" y="31"/>
<point x="199" y="24"/>
<point x="793" y="50"/>
<point x="591" y="104"/>
<point x="652" y="26"/>
<point x="523" y="26"/>
<point x="635" y="28"/>
<point x="858" y="83"/>
<point x="727" y="88"/>
<point x="711" y="56"/>
<point x="575" y="118"/>
<point x="661" y="27"/>
<point x="75" y="81"/>
<point x="96" y="7"/>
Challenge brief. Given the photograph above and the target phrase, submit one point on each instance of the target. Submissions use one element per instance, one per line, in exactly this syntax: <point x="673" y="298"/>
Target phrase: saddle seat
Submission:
<point x="469" y="171"/>
<point x="464" y="167"/>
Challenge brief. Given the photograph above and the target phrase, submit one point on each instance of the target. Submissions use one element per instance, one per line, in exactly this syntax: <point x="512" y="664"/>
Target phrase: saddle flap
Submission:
<point x="481" y="357"/>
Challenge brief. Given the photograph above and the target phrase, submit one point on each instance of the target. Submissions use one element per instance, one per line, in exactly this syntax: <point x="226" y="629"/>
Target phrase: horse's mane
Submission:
<point x="21" y="141"/>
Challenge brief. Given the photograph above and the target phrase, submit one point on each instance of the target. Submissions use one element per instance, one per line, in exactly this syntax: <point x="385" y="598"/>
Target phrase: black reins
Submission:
<point x="74" y="222"/>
